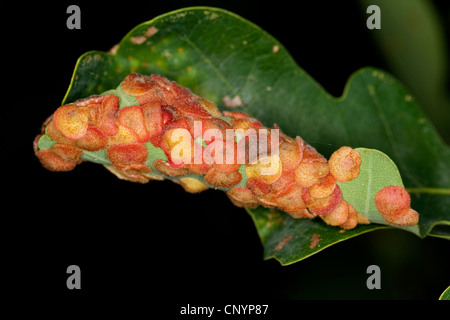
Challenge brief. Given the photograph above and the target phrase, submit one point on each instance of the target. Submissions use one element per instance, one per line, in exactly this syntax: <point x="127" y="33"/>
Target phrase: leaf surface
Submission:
<point x="445" y="295"/>
<point x="222" y="57"/>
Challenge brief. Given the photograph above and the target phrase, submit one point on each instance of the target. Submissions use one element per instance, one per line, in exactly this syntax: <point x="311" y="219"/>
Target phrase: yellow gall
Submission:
<point x="242" y="197"/>
<point x="344" y="164"/>
<point x="71" y="123"/>
<point x="308" y="174"/>
<point x="338" y="216"/>
<point x="268" y="168"/>
<point x="136" y="84"/>
<point x="165" y="168"/>
<point x="352" y="218"/>
<point x="210" y="107"/>
<point x="302" y="214"/>
<point x="291" y="152"/>
<point x="290" y="199"/>
<point x="324" y="187"/>
<point x="192" y="185"/>
<point x="362" y="219"/>
<point x="411" y="218"/>
<point x="222" y="180"/>
<point x="58" y="136"/>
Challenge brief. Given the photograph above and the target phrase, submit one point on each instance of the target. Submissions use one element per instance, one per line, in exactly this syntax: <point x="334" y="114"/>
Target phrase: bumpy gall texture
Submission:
<point x="352" y="218"/>
<point x="410" y="218"/>
<point x="393" y="202"/>
<point x="127" y="154"/>
<point x="93" y="140"/>
<point x="59" y="157"/>
<point x="344" y="164"/>
<point x="70" y="122"/>
<point x="296" y="179"/>
<point x="338" y="216"/>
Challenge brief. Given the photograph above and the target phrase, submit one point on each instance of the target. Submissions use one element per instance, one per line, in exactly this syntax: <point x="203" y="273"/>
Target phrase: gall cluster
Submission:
<point x="303" y="185"/>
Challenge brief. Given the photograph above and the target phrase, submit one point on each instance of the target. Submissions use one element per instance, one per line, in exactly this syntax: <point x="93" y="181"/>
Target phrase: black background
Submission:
<point x="155" y="241"/>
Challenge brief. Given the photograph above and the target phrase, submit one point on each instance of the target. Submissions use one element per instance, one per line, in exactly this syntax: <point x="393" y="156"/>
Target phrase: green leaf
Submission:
<point x="45" y="142"/>
<point x="290" y="240"/>
<point x="221" y="56"/>
<point x="99" y="157"/>
<point x="445" y="295"/>
<point x="125" y="99"/>
<point x="376" y="172"/>
<point x="412" y="40"/>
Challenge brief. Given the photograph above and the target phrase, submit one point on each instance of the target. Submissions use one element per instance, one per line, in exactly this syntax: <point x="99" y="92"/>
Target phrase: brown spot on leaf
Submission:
<point x="151" y="31"/>
<point x="273" y="215"/>
<point x="232" y="102"/>
<point x="138" y="39"/>
<point x="282" y="243"/>
<point x="315" y="239"/>
<point x="114" y="49"/>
